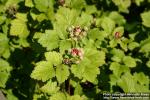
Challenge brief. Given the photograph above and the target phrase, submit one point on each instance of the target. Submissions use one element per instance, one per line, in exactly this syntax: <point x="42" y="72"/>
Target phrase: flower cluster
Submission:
<point x="75" y="55"/>
<point x="77" y="32"/>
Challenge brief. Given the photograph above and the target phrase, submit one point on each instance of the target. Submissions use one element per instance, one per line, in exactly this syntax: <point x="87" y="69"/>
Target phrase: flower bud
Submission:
<point x="117" y="35"/>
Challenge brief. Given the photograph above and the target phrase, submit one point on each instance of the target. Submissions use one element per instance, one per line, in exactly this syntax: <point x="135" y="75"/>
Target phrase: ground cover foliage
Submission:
<point x="73" y="49"/>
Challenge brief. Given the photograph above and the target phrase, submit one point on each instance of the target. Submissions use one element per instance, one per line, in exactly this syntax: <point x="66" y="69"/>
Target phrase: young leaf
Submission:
<point x="118" y="18"/>
<point x="145" y="18"/>
<point x="108" y="24"/>
<point x="43" y="71"/>
<point x="49" y="40"/>
<point x="148" y="63"/>
<point x="50" y="88"/>
<point x="54" y="57"/>
<point x="136" y="83"/>
<point x="64" y="19"/>
<point x="84" y="20"/>
<point x="138" y="2"/>
<point x="133" y="45"/>
<point x="117" y="55"/>
<point x="97" y="58"/>
<point x="4" y="46"/>
<point x="42" y="6"/>
<point x="62" y="73"/>
<point x="118" y="69"/>
<point x="3" y="79"/>
<point x="58" y="96"/>
<point x="90" y="73"/>
<point x="76" y="4"/>
<point x="64" y="45"/>
<point x="29" y="3"/>
<point x="145" y="45"/>
<point x="4" y="72"/>
<point x="127" y="83"/>
<point x="96" y="34"/>
<point x="129" y="61"/>
<point x="123" y="5"/>
<point x="142" y="79"/>
<point x="19" y="28"/>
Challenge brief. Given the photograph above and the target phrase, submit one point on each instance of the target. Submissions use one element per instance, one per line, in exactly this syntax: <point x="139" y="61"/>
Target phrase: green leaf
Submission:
<point x="97" y="58"/>
<point x="138" y="2"/>
<point x="4" y="72"/>
<point x="118" y="18"/>
<point x="108" y="24"/>
<point x="127" y="83"/>
<point x="88" y="67"/>
<point x="23" y="42"/>
<point x="84" y="20"/>
<point x="113" y="43"/>
<point x="54" y="57"/>
<point x="145" y="45"/>
<point x="64" y="19"/>
<point x="148" y="63"/>
<point x="146" y="18"/>
<point x="129" y="61"/>
<point x="19" y="28"/>
<point x="118" y="69"/>
<point x="76" y="4"/>
<point x="49" y="40"/>
<point x="90" y="9"/>
<point x="42" y="6"/>
<point x="117" y="55"/>
<point x="4" y="46"/>
<point x="76" y="97"/>
<point x="62" y="73"/>
<point x="22" y="17"/>
<point x="4" y="66"/>
<point x="90" y="73"/>
<point x="142" y="79"/>
<point x="50" y="88"/>
<point x="78" y="89"/>
<point x="96" y="34"/>
<point x="123" y="5"/>
<point x="113" y="80"/>
<point x="43" y="71"/>
<point x="29" y="3"/>
<point x="10" y="95"/>
<point x="133" y="45"/>
<point x="64" y="45"/>
<point x="2" y="19"/>
<point x="123" y="45"/>
<point x="11" y="2"/>
<point x="58" y="96"/>
<point x="136" y="83"/>
<point x="78" y="70"/>
<point x="3" y="79"/>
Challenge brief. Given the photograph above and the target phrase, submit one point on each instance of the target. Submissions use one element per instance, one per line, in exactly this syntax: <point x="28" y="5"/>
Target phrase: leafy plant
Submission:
<point x="73" y="49"/>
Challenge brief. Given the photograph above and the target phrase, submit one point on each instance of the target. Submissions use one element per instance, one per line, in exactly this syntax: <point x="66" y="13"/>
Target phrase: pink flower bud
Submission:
<point x="74" y="52"/>
<point x="117" y="35"/>
<point x="77" y="29"/>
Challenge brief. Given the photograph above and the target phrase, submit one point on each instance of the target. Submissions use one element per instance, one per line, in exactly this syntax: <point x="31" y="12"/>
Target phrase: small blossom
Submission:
<point x="77" y="29"/>
<point x="74" y="52"/>
<point x="77" y="52"/>
<point x="77" y="33"/>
